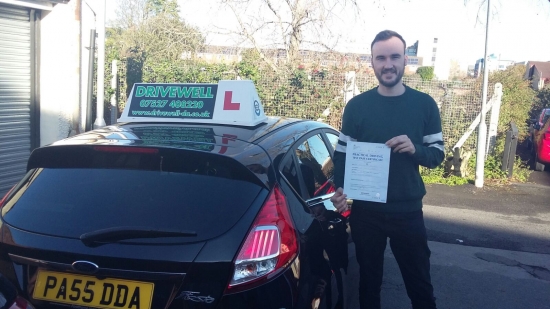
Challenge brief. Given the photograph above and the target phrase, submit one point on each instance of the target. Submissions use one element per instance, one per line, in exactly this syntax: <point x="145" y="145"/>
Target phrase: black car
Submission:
<point x="178" y="215"/>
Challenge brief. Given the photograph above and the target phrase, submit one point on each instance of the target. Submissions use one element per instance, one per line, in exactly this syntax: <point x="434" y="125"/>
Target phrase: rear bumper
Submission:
<point x="281" y="292"/>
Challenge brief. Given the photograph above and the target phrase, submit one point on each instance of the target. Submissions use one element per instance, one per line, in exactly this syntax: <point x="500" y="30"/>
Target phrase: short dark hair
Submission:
<point x="386" y="35"/>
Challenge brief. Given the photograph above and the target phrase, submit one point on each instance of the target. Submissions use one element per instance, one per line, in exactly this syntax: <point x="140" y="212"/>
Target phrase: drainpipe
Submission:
<point x="99" y="121"/>
<point x="76" y="111"/>
<point x="91" y="63"/>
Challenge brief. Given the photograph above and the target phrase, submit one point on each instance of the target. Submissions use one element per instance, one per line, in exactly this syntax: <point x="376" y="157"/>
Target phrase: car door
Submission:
<point x="311" y="160"/>
<point x="539" y="134"/>
<point x="537" y="127"/>
<point x="308" y="169"/>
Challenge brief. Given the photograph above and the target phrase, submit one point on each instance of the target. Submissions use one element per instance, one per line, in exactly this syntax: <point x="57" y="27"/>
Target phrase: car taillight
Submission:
<point x="271" y="244"/>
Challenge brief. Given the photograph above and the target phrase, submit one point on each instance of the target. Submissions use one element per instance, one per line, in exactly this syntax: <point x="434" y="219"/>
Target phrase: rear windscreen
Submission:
<point x="161" y="191"/>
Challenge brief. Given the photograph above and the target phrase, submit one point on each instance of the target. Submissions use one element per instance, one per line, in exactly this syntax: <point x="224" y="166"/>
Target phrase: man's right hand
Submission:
<point x="339" y="200"/>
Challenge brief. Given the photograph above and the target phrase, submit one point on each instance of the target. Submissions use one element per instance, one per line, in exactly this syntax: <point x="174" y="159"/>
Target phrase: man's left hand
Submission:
<point x="401" y="144"/>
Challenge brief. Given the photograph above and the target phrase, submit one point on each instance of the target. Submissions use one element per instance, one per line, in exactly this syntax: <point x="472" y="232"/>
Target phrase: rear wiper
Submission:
<point x="129" y="232"/>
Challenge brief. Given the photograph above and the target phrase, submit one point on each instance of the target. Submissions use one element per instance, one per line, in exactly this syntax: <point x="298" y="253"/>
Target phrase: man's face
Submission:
<point x="388" y="61"/>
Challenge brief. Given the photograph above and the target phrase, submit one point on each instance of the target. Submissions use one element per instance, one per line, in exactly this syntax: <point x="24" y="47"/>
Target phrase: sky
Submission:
<point x="519" y="30"/>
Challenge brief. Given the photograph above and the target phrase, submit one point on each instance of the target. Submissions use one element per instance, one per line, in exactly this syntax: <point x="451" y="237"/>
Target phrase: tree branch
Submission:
<point x="251" y="37"/>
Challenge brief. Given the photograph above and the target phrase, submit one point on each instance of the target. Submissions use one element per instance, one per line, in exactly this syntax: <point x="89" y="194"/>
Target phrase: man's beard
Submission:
<point x="389" y="84"/>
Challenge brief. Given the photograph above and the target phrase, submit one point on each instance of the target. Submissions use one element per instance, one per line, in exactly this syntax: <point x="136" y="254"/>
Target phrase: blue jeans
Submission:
<point x="409" y="244"/>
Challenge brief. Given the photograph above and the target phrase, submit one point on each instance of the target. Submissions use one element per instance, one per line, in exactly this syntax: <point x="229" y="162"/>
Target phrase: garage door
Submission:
<point x="15" y="94"/>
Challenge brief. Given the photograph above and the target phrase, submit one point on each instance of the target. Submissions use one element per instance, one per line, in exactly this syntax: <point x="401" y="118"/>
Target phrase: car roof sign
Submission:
<point x="234" y="102"/>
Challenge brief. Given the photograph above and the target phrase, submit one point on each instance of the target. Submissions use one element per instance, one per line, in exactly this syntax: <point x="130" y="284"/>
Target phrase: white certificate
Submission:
<point x="367" y="171"/>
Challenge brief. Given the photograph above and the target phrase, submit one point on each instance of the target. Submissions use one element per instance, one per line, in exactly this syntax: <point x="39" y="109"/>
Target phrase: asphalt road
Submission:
<point x="490" y="248"/>
<point x="515" y="217"/>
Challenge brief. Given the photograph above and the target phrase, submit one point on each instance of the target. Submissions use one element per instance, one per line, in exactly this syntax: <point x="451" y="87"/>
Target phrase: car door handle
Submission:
<point x="314" y="202"/>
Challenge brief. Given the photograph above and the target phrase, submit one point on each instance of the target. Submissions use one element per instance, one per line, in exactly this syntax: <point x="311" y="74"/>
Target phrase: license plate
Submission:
<point x="92" y="292"/>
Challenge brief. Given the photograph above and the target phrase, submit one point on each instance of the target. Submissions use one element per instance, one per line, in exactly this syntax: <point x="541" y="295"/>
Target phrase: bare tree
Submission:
<point x="496" y="5"/>
<point x="130" y="13"/>
<point x="287" y="23"/>
<point x="294" y="25"/>
<point x="455" y="72"/>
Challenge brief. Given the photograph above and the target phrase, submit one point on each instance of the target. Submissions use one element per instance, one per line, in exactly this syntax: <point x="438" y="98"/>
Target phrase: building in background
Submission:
<point x="433" y="53"/>
<point x="505" y="64"/>
<point x="412" y="50"/>
<point x="494" y="64"/>
<point x="218" y="54"/>
<point x="538" y="73"/>
<point x="309" y="58"/>
<point x="44" y="52"/>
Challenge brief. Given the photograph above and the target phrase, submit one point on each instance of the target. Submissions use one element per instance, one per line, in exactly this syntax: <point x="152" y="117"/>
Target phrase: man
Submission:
<point x="408" y="122"/>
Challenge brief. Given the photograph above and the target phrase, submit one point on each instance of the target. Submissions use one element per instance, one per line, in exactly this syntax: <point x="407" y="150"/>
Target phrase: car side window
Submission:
<point x="544" y="115"/>
<point x="290" y="172"/>
<point x="333" y="138"/>
<point x="316" y="166"/>
<point x="546" y="124"/>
